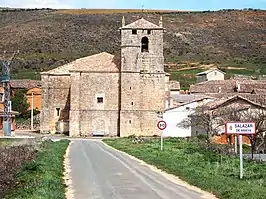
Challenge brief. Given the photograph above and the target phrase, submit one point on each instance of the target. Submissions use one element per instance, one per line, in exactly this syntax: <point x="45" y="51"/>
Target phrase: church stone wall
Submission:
<point x="143" y="90"/>
<point x="55" y="95"/>
<point x="95" y="116"/>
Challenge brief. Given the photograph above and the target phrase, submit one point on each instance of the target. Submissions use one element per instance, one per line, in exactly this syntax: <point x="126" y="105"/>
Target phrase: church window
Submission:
<point x="149" y="32"/>
<point x="99" y="100"/>
<point x="134" y="32"/>
<point x="132" y="103"/>
<point x="57" y="112"/>
<point x="144" y="44"/>
<point x="129" y="121"/>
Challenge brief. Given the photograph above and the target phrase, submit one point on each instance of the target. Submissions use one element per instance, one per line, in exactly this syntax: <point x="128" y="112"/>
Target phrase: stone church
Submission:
<point x="100" y="95"/>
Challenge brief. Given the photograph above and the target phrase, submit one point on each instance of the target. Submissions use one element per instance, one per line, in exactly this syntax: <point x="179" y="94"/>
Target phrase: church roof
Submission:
<point x="102" y="62"/>
<point x="142" y="24"/>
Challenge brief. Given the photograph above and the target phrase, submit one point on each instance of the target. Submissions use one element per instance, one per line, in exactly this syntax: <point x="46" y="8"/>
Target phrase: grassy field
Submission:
<point x="43" y="177"/>
<point x="27" y="74"/>
<point x="218" y="174"/>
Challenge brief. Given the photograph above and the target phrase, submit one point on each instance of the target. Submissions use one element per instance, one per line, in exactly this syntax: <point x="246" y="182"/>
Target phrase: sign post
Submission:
<point x="240" y="128"/>
<point x="241" y="156"/>
<point x="161" y="125"/>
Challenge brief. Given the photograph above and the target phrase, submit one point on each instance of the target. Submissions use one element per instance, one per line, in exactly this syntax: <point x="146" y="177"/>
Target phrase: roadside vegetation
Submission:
<point x="13" y="154"/>
<point x="205" y="166"/>
<point x="34" y="171"/>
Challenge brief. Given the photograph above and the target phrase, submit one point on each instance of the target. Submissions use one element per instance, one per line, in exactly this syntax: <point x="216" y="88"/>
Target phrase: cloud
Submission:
<point x="36" y="3"/>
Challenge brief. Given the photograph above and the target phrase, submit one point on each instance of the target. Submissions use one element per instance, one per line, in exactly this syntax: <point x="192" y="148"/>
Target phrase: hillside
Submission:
<point x="49" y="38"/>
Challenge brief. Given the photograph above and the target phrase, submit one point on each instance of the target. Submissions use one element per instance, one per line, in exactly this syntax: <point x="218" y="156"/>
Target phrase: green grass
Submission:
<point x="43" y="177"/>
<point x="26" y="74"/>
<point x="215" y="173"/>
<point x="185" y="77"/>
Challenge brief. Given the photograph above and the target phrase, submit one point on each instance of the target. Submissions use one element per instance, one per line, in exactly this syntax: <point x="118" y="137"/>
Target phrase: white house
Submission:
<point x="175" y="115"/>
<point x="212" y="74"/>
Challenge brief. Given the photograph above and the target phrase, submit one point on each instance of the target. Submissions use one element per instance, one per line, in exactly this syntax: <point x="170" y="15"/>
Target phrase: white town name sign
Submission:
<point x="240" y="128"/>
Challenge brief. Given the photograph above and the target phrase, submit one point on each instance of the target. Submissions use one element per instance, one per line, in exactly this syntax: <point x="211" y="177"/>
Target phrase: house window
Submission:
<point x="134" y="32"/>
<point x="99" y="100"/>
<point x="215" y="73"/>
<point x="130" y="87"/>
<point x="58" y="112"/>
<point x="187" y="108"/>
<point x="149" y="32"/>
<point x="144" y="44"/>
<point x="132" y="103"/>
<point x="130" y="121"/>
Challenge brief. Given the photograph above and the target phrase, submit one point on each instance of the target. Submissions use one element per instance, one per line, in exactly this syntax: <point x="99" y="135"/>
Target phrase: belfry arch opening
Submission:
<point x="144" y="44"/>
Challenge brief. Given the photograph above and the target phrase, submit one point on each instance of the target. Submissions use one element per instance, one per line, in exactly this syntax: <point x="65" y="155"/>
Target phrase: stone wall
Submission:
<point x="143" y="91"/>
<point x="88" y="115"/>
<point x="55" y="96"/>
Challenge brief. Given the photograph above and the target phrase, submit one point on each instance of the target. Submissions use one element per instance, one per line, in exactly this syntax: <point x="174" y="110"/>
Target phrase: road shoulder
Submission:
<point x="168" y="176"/>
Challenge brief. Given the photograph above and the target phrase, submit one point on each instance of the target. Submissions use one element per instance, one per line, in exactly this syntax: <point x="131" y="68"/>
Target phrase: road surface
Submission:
<point x="99" y="172"/>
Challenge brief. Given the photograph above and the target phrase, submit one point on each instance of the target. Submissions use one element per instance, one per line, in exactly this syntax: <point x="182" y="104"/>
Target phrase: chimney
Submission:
<point x="123" y="21"/>
<point x="161" y="21"/>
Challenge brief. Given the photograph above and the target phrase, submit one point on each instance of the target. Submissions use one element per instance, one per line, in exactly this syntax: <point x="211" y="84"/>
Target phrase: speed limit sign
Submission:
<point x="161" y="125"/>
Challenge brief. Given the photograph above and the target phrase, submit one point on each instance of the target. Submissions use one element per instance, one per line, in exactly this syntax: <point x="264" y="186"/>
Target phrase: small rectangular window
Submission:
<point x="99" y="99"/>
<point x="58" y="112"/>
<point x="149" y="32"/>
<point x="132" y="103"/>
<point x="134" y="32"/>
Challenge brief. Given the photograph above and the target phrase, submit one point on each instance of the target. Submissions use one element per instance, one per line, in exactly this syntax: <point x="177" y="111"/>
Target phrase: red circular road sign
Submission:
<point x="161" y="125"/>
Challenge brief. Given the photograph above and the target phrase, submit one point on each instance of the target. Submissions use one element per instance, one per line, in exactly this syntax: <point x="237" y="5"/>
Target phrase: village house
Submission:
<point x="212" y="74"/>
<point x="33" y="90"/>
<point x="175" y="115"/>
<point x="2" y="113"/>
<point x="104" y="95"/>
<point x="221" y="111"/>
<point x="174" y="87"/>
<point x="254" y="90"/>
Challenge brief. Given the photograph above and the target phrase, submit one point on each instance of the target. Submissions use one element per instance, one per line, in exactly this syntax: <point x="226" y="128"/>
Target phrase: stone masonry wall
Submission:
<point x="95" y="116"/>
<point x="142" y="82"/>
<point x="55" y="95"/>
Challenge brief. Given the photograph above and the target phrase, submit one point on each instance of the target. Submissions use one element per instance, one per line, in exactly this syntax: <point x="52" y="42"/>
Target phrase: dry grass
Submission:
<point x="110" y="11"/>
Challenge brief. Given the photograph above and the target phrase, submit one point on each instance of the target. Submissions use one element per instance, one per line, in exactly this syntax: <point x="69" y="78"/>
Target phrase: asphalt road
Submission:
<point x="98" y="172"/>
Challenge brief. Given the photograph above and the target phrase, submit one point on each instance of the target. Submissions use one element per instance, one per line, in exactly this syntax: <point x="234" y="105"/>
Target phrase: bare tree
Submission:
<point x="213" y="121"/>
<point x="201" y="119"/>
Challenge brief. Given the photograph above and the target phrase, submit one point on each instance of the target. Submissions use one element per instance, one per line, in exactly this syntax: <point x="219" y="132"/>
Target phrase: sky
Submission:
<point x="137" y="4"/>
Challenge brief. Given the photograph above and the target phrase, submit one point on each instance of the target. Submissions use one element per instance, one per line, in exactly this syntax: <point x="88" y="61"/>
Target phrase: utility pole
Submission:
<point x="32" y="96"/>
<point x="5" y="80"/>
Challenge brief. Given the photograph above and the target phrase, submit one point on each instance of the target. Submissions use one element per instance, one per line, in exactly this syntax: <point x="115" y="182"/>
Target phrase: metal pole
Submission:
<point x="32" y="111"/>
<point x="7" y="98"/>
<point x="236" y="144"/>
<point x="241" y="156"/>
<point x="161" y="140"/>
